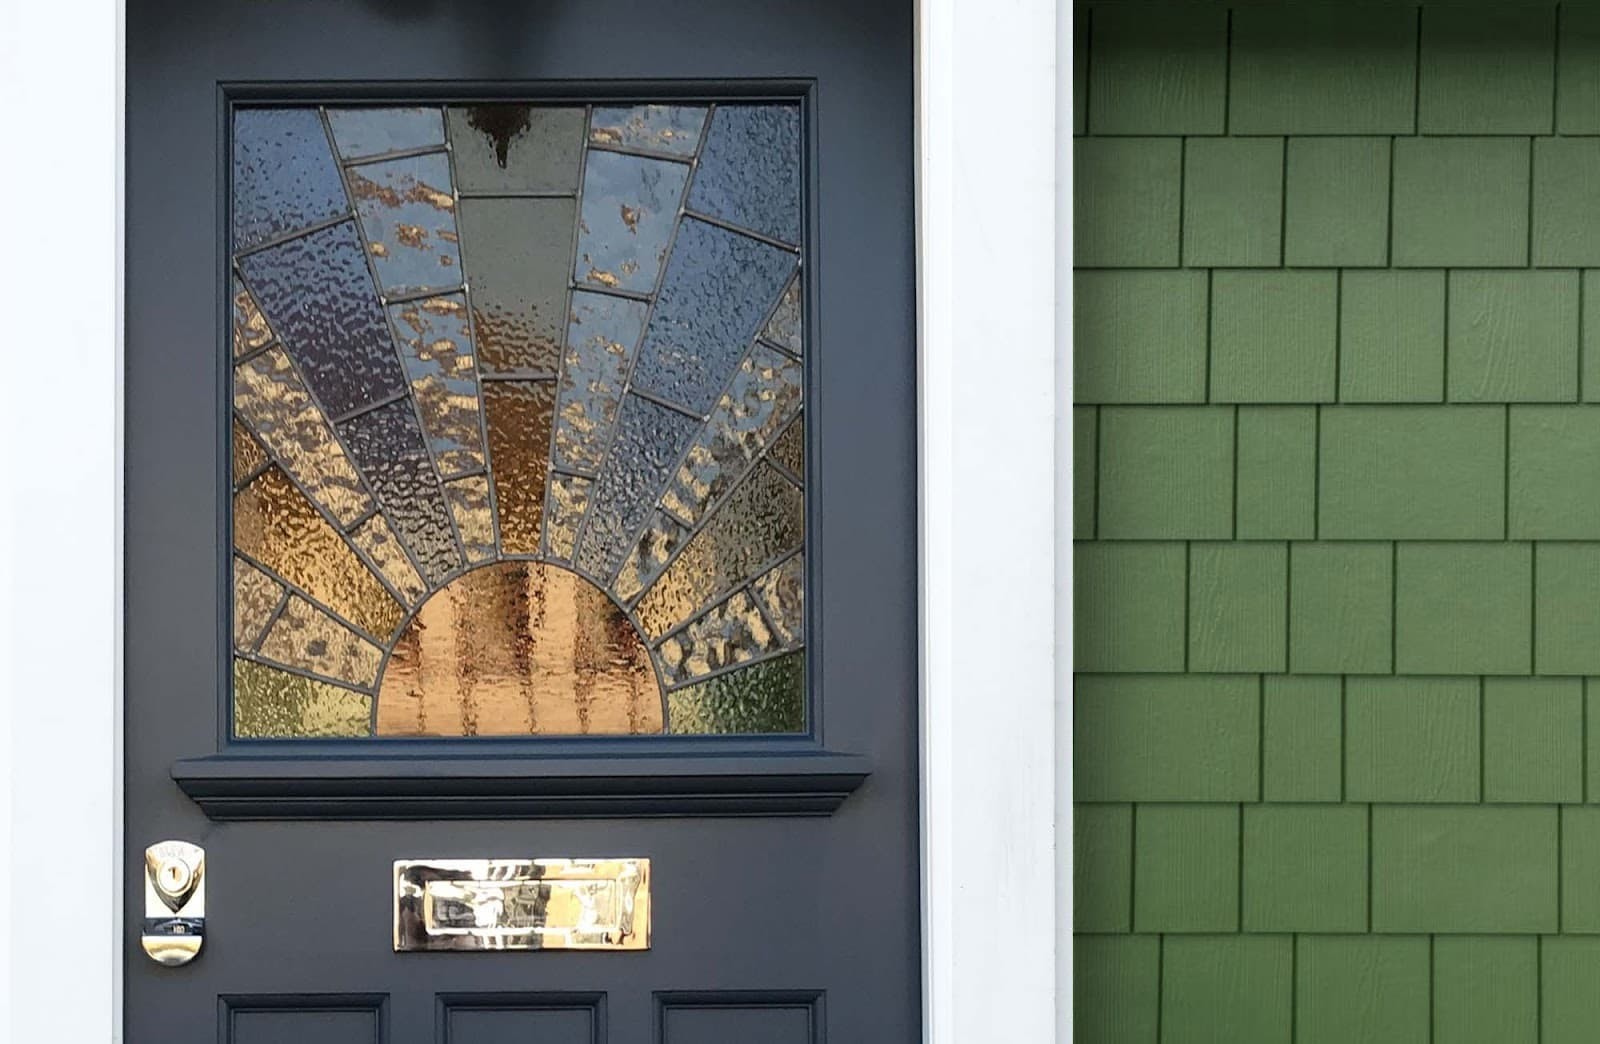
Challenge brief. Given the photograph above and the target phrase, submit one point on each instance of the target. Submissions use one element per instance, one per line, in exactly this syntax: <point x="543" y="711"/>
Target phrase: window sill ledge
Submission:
<point x="234" y="786"/>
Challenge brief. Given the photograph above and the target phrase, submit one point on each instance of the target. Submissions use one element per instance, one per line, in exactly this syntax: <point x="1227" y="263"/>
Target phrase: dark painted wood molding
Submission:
<point x="234" y="786"/>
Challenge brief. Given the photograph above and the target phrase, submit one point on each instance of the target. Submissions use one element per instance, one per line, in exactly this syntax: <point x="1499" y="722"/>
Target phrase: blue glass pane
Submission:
<point x="408" y="216"/>
<point x="719" y="288"/>
<point x="388" y="448"/>
<point x="601" y="335"/>
<point x="284" y="176"/>
<point x="318" y="295"/>
<point x="649" y="440"/>
<point x="672" y="129"/>
<point x="629" y="205"/>
<point x="436" y="345"/>
<point x="750" y="170"/>
<point x="372" y="132"/>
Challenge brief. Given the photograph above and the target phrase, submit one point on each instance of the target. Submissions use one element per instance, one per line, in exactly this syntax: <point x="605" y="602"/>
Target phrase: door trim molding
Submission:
<point x="986" y="90"/>
<point x="62" y="945"/>
<point x="987" y="277"/>
<point x="773" y="783"/>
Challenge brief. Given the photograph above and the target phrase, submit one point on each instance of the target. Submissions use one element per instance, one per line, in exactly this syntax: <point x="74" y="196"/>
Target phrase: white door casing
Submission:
<point x="993" y="467"/>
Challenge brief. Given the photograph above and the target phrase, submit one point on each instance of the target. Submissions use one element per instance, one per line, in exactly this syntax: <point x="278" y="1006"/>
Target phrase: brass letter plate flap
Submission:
<point x="521" y="904"/>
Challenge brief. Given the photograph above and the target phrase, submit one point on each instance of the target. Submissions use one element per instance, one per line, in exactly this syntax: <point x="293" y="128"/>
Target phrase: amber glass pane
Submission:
<point x="519" y="648"/>
<point x="518" y="415"/>
<point x="569" y="499"/>
<point x="377" y="541"/>
<point x="273" y="704"/>
<point x="763" y="396"/>
<point x="758" y="522"/>
<point x="789" y="451"/>
<point x="304" y="636"/>
<point x="469" y="504"/>
<point x="248" y="456"/>
<point x="269" y="396"/>
<point x="274" y="524"/>
<point x="255" y="597"/>
<point x="436" y="345"/>
<point x="763" y="697"/>
<point x="724" y="635"/>
<point x="249" y="325"/>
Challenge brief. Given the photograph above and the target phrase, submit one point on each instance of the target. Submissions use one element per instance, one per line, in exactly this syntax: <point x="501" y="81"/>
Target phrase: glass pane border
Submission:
<point x="233" y="97"/>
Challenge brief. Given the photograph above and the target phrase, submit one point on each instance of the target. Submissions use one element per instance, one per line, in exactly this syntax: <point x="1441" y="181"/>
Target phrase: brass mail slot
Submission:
<point x="521" y="904"/>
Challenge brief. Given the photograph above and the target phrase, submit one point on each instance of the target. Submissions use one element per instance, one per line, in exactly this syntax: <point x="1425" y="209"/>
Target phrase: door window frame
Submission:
<point x="993" y="92"/>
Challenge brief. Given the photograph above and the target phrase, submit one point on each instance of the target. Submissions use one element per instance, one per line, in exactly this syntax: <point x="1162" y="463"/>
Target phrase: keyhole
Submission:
<point x="174" y="875"/>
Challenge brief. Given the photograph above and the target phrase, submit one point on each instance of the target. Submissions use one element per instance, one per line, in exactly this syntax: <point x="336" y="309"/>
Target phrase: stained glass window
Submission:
<point x="518" y="440"/>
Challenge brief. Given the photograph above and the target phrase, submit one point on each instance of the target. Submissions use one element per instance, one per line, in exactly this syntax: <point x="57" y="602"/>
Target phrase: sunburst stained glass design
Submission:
<point x="518" y="440"/>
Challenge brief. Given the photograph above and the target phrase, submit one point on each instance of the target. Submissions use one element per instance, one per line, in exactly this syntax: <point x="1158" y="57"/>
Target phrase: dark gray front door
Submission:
<point x="521" y="466"/>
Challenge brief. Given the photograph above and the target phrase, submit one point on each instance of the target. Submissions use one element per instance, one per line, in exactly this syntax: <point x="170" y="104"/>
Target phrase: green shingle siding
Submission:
<point x="1337" y="510"/>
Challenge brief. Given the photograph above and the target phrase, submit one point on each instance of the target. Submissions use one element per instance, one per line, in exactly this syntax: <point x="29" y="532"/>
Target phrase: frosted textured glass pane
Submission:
<point x="408" y="216"/>
<point x="600" y="341"/>
<point x="436" y="347"/>
<point x="284" y="175"/>
<point x="670" y="129"/>
<point x="723" y="636"/>
<point x="750" y="170"/>
<point x="269" y="396"/>
<point x="649" y="440"/>
<point x="629" y="207"/>
<point x="304" y="636"/>
<point x="272" y="704"/>
<point x="372" y="132"/>
<point x="718" y="290"/>
<point x="518" y="254"/>
<point x="516" y="148"/>
<point x="255" y="597"/>
<point x="764" y="697"/>
<point x="389" y="449"/>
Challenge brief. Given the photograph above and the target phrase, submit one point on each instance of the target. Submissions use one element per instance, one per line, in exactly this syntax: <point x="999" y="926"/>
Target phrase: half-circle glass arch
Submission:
<point x="518" y="445"/>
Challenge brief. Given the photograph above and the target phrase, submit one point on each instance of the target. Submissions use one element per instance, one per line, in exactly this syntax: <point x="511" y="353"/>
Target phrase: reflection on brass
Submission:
<point x="174" y="902"/>
<point x="518" y="649"/>
<point x="521" y="904"/>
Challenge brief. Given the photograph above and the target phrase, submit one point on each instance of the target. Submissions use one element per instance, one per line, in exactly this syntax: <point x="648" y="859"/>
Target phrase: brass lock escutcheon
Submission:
<point x="174" y="902"/>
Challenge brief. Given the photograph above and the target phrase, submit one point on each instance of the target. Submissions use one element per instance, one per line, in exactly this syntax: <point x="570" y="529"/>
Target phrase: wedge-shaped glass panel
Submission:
<point x="718" y="290"/>
<point x="269" y="703"/>
<point x="284" y="175"/>
<point x="763" y="697"/>
<point x="276" y="526"/>
<point x="750" y="171"/>
<point x="569" y="499"/>
<point x="518" y="415"/>
<point x="601" y="338"/>
<point x="723" y="636"/>
<point x="630" y="205"/>
<point x="270" y="398"/>
<point x="764" y="395"/>
<point x="408" y="216"/>
<point x="518" y="254"/>
<point x="650" y="437"/>
<point x="318" y="296"/>
<point x="372" y="132"/>
<point x="786" y="328"/>
<point x="255" y="598"/>
<point x="436" y="346"/>
<point x="672" y="130"/>
<point x="759" y="522"/>
<point x="250" y="330"/>
<point x="469" y="505"/>
<point x="514" y="455"/>
<point x="306" y="637"/>
<point x="389" y="449"/>
<point x="516" y="148"/>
